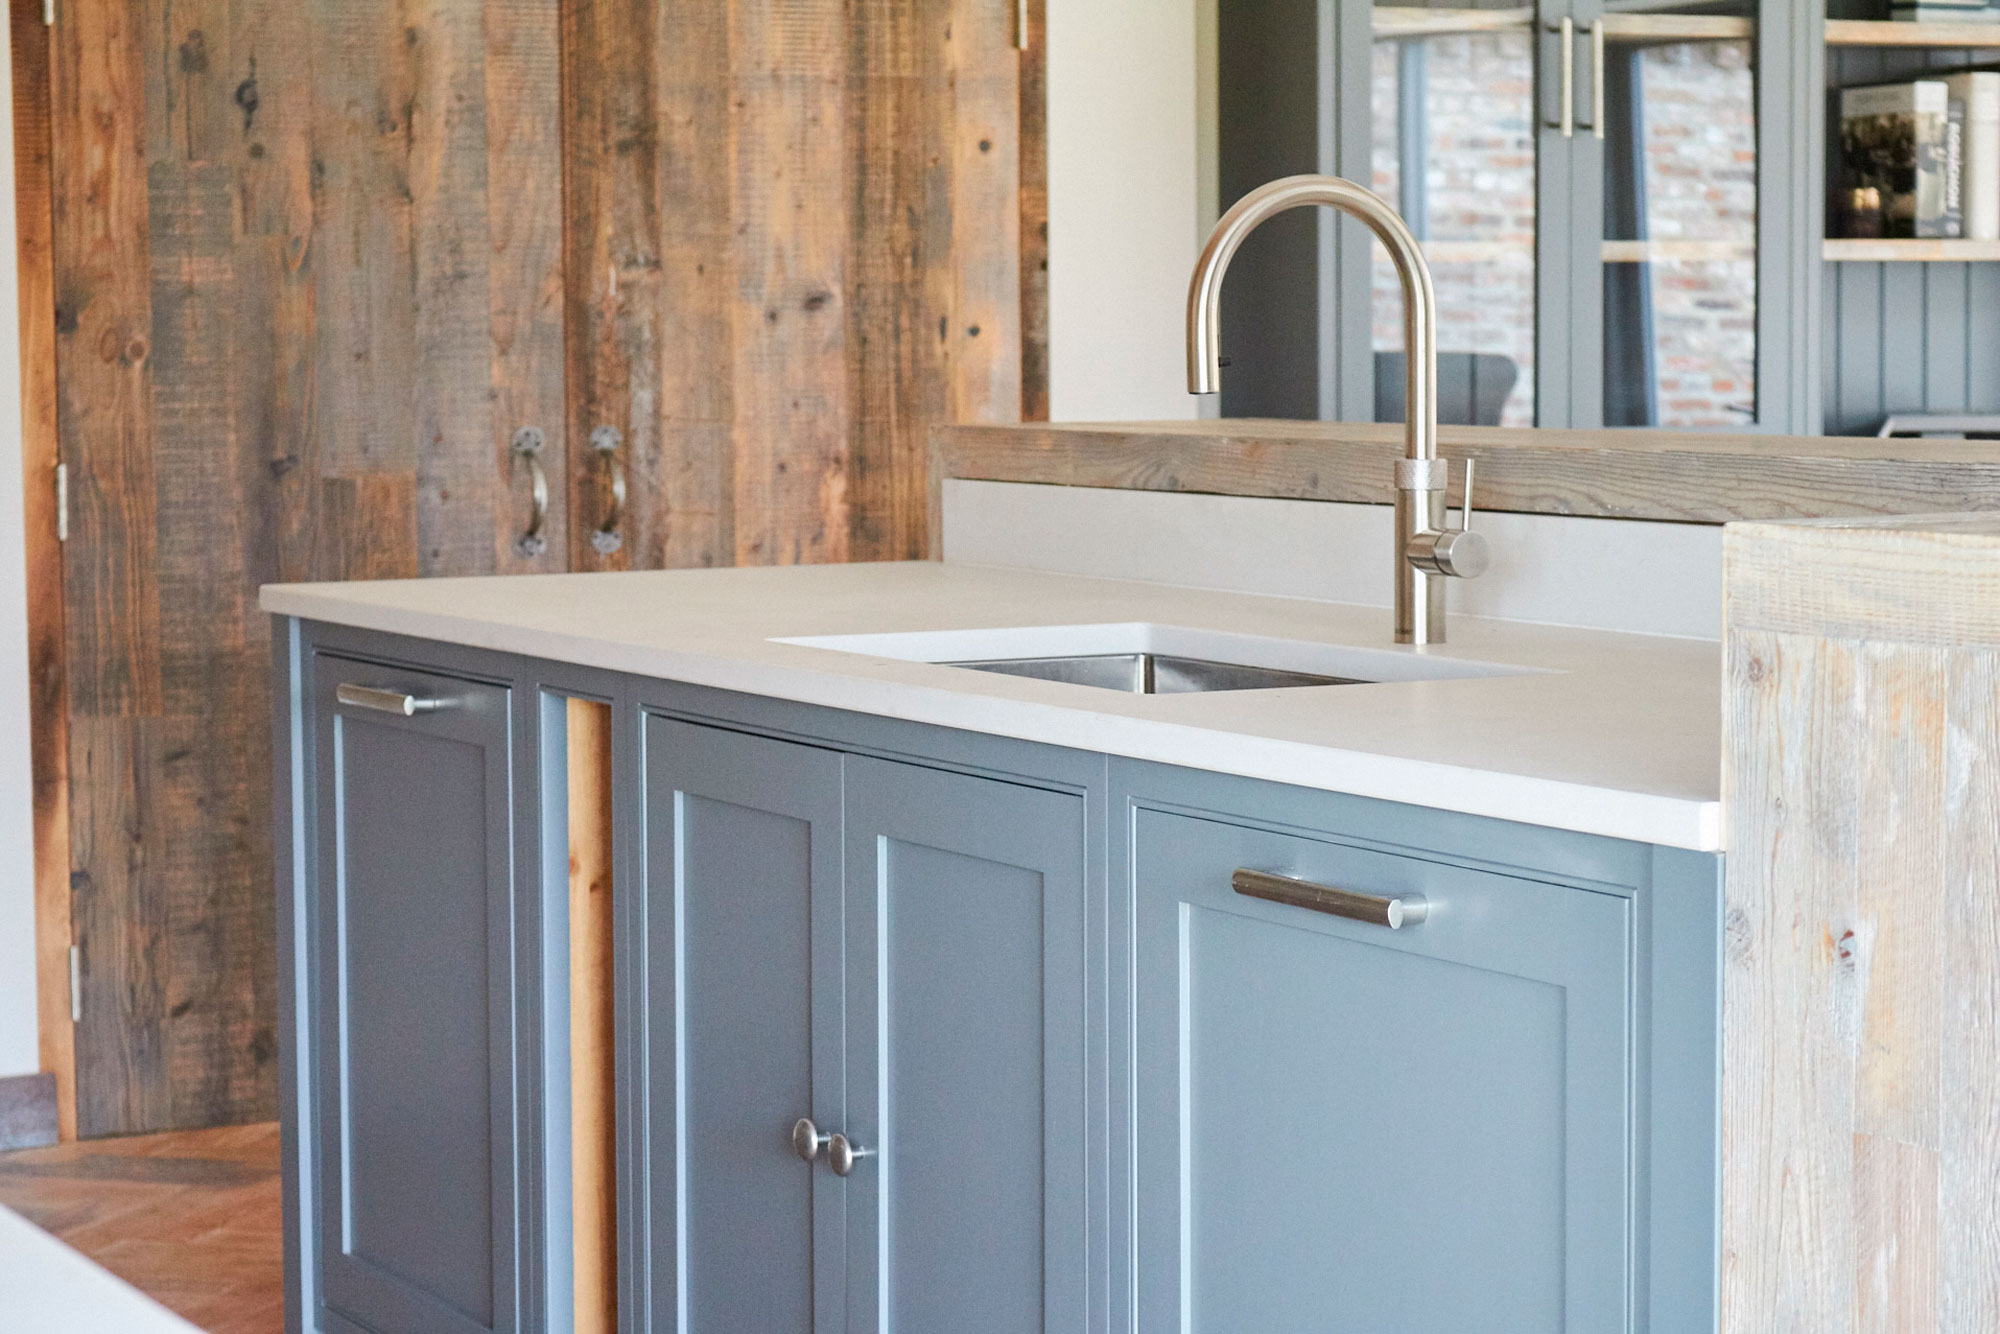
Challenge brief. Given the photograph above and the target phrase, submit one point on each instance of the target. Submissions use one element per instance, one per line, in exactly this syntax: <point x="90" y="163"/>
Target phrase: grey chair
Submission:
<point x="1472" y="387"/>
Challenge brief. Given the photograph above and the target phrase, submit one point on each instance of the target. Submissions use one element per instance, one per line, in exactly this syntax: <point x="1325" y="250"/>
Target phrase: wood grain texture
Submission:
<point x="592" y="1045"/>
<point x="48" y="712"/>
<point x="304" y="274"/>
<point x="793" y="239"/>
<point x="1034" y="153"/>
<point x="191" y="1219"/>
<point x="1671" y="476"/>
<point x="1861" y="1027"/>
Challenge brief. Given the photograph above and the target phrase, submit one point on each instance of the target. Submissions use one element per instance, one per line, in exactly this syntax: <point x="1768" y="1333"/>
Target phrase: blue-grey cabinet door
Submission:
<point x="743" y="1030"/>
<point x="1347" y="1128"/>
<point x="414" y="1063"/>
<point x="965" y="1053"/>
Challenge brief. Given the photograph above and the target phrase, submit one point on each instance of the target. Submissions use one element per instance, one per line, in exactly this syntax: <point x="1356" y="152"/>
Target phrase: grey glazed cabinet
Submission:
<point x="897" y="953"/>
<point x="412" y="997"/>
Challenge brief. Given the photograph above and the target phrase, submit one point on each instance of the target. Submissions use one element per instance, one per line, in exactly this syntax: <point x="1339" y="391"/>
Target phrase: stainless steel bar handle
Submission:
<point x="607" y="539"/>
<point x="1566" y="117"/>
<point x="1394" y="913"/>
<point x="843" y="1153"/>
<point x="528" y="442"/>
<point x="377" y="700"/>
<point x="1597" y="79"/>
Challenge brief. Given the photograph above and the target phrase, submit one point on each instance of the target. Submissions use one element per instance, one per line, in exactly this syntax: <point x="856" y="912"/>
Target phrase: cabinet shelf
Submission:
<point x="1912" y="252"/>
<point x="1677" y="251"/>
<point x="1413" y="21"/>
<point x="1875" y="32"/>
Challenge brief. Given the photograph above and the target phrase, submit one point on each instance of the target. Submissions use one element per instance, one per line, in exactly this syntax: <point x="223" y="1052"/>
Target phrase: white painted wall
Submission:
<point x="18" y="1050"/>
<point x="1124" y="206"/>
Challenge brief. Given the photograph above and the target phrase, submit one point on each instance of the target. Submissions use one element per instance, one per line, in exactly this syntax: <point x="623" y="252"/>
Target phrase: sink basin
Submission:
<point x="1144" y="658"/>
<point x="1154" y="673"/>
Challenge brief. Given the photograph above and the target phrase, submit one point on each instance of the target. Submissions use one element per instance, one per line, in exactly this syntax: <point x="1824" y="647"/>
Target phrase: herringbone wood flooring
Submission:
<point x="191" y="1218"/>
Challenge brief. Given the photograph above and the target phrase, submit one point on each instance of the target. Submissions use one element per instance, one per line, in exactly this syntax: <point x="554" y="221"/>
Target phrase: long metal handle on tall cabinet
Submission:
<point x="1597" y="98"/>
<point x="375" y="699"/>
<point x="1395" y="913"/>
<point x="1566" y="116"/>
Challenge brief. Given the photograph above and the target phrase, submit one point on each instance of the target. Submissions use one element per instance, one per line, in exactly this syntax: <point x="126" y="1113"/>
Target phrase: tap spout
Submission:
<point x="1204" y="304"/>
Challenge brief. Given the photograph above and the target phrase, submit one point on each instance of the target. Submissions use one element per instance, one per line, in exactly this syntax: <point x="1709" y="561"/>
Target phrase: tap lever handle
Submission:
<point x="1465" y="509"/>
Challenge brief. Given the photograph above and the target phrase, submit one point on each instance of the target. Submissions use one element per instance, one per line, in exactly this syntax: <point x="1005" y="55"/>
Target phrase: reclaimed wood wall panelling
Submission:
<point x="1676" y="478"/>
<point x="1862" y="1011"/>
<point x="1034" y="150"/>
<point x="40" y="452"/>
<point x="281" y="356"/>
<point x="794" y="235"/>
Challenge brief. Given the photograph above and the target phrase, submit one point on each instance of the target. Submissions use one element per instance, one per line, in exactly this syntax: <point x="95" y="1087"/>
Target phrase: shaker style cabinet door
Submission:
<point x="414" y="1066"/>
<point x="1350" y="1128"/>
<point x="742" y="1031"/>
<point x="965" y="1054"/>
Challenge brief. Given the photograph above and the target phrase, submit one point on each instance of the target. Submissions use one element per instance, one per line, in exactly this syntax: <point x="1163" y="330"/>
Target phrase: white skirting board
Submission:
<point x="1602" y="574"/>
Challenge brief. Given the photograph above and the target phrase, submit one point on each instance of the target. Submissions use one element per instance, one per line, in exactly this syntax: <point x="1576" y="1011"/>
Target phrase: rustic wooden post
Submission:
<point x="1861" y="1010"/>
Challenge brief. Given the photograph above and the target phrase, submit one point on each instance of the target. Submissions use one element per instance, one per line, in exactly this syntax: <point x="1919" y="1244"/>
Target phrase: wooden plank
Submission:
<point x="457" y="527"/>
<point x="364" y="267"/>
<point x="792" y="192"/>
<point x="592" y="1046"/>
<point x="368" y="527"/>
<point x="1672" y="476"/>
<point x="1969" y="1137"/>
<point x="48" y="712"/>
<point x="1899" y="874"/>
<point x="1870" y="32"/>
<point x="1791" y="985"/>
<point x="524" y="184"/>
<point x="1034" y="155"/>
<point x="103" y="347"/>
<point x="983" y="95"/>
<point x="1896" y="1241"/>
<point x="1851" y="251"/>
<point x="1919" y="581"/>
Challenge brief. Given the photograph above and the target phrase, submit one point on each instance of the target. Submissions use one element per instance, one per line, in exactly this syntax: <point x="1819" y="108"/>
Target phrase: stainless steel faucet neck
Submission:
<point x="1420" y="475"/>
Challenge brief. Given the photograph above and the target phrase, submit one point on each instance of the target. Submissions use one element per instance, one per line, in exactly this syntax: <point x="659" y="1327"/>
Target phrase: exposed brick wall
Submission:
<point x="1701" y="184"/>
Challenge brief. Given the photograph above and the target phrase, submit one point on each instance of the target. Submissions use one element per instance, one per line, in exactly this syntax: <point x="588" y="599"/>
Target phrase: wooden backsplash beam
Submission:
<point x="1861" y="992"/>
<point x="1671" y="476"/>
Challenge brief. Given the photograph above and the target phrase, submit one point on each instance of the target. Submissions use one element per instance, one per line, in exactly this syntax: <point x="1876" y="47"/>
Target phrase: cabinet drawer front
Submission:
<point x="1345" y="1126"/>
<point x="414" y="1062"/>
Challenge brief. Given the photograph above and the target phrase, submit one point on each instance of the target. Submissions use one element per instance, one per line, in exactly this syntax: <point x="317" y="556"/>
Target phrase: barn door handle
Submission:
<point x="607" y="539"/>
<point x="528" y="443"/>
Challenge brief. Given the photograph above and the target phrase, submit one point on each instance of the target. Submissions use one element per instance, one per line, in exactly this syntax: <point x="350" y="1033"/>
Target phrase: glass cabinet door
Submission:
<point x="1676" y="94"/>
<point x="1453" y="146"/>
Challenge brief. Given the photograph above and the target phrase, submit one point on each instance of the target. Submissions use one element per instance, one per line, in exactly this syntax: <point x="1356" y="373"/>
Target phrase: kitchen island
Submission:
<point x="948" y="998"/>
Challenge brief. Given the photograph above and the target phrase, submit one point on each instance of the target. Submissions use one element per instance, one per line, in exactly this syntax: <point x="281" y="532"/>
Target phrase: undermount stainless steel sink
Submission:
<point x="1153" y="673"/>
<point x="1143" y="658"/>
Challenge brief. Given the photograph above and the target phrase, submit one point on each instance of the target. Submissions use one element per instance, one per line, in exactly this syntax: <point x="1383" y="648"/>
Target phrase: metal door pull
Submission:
<point x="1394" y="913"/>
<point x="377" y="700"/>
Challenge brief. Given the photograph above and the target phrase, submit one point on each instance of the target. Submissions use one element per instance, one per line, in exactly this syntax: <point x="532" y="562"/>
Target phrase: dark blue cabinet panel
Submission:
<point x="965" y="1052"/>
<point x="742" y="901"/>
<point x="1346" y="1127"/>
<point x="414" y="1063"/>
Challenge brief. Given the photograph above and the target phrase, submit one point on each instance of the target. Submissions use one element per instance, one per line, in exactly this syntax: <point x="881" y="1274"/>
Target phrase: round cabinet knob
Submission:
<point x="842" y="1153"/>
<point x="806" y="1139"/>
<point x="1456" y="553"/>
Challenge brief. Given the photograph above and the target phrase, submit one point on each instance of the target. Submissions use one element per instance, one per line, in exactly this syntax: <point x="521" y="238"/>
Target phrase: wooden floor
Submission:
<point x="191" y="1218"/>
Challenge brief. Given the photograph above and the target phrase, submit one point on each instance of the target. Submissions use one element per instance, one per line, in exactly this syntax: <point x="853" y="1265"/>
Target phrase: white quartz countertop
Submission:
<point x="1612" y="734"/>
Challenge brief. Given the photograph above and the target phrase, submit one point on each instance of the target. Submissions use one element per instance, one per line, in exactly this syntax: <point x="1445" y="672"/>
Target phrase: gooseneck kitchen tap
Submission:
<point x="1427" y="552"/>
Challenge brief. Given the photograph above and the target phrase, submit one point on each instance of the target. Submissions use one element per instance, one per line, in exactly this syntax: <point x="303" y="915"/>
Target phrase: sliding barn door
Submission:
<point x="308" y="277"/>
<point x="795" y="244"/>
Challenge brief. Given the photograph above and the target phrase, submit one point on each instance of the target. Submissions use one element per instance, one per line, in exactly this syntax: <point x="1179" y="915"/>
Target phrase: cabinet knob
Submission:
<point x="842" y="1153"/>
<point x="806" y="1139"/>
